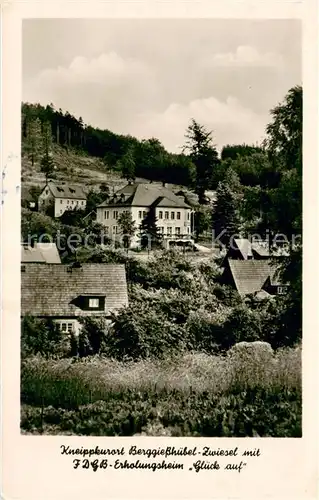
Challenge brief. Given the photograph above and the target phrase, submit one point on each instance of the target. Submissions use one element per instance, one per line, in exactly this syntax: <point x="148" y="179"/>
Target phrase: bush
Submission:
<point x="42" y="337"/>
<point x="144" y="332"/>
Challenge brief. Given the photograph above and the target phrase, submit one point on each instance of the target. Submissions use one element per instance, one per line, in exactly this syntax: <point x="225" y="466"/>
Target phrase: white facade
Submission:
<point x="173" y="223"/>
<point x="60" y="205"/>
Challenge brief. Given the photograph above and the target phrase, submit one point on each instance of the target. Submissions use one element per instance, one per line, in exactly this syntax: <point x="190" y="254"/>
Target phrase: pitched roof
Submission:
<point x="250" y="275"/>
<point x="67" y="191"/>
<point x="261" y="248"/>
<point x="49" y="289"/>
<point x="31" y="254"/>
<point x="41" y="252"/>
<point x="145" y="195"/>
<point x="244" y="246"/>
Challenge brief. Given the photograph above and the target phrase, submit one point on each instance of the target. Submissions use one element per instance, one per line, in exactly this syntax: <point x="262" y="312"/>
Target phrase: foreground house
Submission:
<point x="253" y="277"/>
<point x="65" y="293"/>
<point x="61" y="197"/>
<point x="173" y="214"/>
<point x="46" y="253"/>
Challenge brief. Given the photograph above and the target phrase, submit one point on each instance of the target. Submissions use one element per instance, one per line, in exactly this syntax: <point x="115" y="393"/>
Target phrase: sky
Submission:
<point x="149" y="78"/>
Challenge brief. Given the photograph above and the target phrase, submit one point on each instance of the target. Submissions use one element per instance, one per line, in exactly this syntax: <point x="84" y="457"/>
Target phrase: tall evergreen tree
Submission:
<point x="47" y="164"/>
<point x="204" y="155"/>
<point x="225" y="219"/>
<point x="127" y="227"/>
<point x="149" y="230"/>
<point x="33" y="142"/>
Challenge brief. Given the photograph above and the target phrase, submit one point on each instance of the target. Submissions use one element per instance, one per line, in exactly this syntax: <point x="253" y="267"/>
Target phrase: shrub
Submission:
<point x="42" y="337"/>
<point x="144" y="332"/>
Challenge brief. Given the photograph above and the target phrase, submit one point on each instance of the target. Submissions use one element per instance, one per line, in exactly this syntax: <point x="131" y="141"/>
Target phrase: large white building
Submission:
<point x="173" y="214"/>
<point x="61" y="197"/>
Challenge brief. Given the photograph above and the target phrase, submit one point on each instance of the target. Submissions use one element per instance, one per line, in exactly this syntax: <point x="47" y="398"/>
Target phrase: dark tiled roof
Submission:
<point x="67" y="191"/>
<point x="41" y="252"/>
<point x="49" y="289"/>
<point x="145" y="195"/>
<point x="250" y="275"/>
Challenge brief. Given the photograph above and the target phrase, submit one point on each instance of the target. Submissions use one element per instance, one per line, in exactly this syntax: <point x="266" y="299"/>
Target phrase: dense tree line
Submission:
<point x="131" y="157"/>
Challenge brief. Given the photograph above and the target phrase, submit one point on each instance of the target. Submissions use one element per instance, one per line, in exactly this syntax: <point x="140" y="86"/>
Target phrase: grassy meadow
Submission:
<point x="194" y="394"/>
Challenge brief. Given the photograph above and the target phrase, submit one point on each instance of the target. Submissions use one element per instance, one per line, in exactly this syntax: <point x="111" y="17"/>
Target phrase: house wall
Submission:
<point x="173" y="227"/>
<point x="45" y="199"/>
<point x="63" y="204"/>
<point x="108" y="217"/>
<point x="168" y="226"/>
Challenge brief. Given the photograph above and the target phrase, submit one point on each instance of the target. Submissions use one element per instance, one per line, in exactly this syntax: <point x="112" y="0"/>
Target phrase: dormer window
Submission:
<point x="93" y="303"/>
<point x="90" y="301"/>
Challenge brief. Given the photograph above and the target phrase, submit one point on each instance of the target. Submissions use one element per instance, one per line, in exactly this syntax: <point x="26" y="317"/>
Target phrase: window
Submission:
<point x="281" y="290"/>
<point x="114" y="229"/>
<point x="172" y="215"/>
<point x="177" y="230"/>
<point x="169" y="230"/>
<point x="144" y="214"/>
<point x="106" y="230"/>
<point x="188" y="215"/>
<point x="61" y="211"/>
<point x="106" y="214"/>
<point x="63" y="327"/>
<point x="115" y="214"/>
<point x="71" y="202"/>
<point x="178" y="216"/>
<point x="188" y="229"/>
<point x="77" y="202"/>
<point x="70" y="327"/>
<point x="160" y="215"/>
<point x="82" y="202"/>
<point x="166" y="215"/>
<point x="139" y="214"/>
<point x="93" y="303"/>
<point x="67" y="201"/>
<point x="61" y="201"/>
<point x="46" y="191"/>
<point x="161" y="229"/>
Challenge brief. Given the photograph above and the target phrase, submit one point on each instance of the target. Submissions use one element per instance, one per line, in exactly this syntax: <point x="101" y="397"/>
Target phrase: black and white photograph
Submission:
<point x="161" y="228"/>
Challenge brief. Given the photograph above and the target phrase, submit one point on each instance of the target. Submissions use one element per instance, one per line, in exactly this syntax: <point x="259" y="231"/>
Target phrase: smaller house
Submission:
<point x="61" y="197"/>
<point x="258" y="277"/>
<point x="46" y="253"/>
<point x="67" y="293"/>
